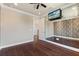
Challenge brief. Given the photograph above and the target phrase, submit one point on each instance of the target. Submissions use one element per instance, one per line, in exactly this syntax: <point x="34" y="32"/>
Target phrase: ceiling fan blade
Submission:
<point x="43" y="5"/>
<point x="37" y="6"/>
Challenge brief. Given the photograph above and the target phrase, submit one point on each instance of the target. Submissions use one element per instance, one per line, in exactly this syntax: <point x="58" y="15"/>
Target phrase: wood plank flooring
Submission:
<point x="65" y="41"/>
<point x="42" y="49"/>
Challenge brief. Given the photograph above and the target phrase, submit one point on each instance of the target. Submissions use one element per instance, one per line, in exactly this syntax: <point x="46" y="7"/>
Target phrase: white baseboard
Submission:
<point x="5" y="46"/>
<point x="65" y="46"/>
<point x="64" y="37"/>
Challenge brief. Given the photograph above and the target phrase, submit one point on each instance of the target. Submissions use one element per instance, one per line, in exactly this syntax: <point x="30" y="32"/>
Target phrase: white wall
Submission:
<point x="15" y="27"/>
<point x="49" y="28"/>
<point x="0" y="24"/>
<point x="70" y="12"/>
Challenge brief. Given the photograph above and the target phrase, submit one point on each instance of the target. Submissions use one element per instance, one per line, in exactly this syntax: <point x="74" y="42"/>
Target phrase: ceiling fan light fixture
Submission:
<point x="43" y="5"/>
<point x="37" y="6"/>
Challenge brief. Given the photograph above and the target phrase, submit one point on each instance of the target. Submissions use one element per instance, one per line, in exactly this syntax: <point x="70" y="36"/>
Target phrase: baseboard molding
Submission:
<point x="65" y="46"/>
<point x="64" y="37"/>
<point x="5" y="46"/>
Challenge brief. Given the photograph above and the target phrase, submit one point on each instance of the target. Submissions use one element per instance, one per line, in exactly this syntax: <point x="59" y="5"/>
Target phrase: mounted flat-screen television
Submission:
<point x="54" y="15"/>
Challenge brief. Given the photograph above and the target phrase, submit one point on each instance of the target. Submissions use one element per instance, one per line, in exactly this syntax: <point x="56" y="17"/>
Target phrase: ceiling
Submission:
<point x="31" y="8"/>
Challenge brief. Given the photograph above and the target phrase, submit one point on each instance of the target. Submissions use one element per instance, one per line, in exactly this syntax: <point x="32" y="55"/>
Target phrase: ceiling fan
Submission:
<point x="39" y="4"/>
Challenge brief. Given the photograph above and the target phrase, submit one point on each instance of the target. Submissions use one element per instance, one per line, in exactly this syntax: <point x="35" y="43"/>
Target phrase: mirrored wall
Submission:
<point x="67" y="28"/>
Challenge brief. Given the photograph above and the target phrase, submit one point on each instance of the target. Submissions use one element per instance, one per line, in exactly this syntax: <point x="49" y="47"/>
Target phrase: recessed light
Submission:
<point x="39" y="13"/>
<point x="74" y="8"/>
<point x="15" y="4"/>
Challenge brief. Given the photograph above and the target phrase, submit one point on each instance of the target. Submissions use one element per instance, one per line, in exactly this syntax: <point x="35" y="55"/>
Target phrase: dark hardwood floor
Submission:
<point x="65" y="41"/>
<point x="42" y="49"/>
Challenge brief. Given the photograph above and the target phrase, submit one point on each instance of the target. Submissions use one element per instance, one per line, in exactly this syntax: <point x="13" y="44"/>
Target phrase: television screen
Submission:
<point x="57" y="14"/>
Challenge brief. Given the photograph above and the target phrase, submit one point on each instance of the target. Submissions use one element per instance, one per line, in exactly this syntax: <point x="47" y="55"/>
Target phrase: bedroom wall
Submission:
<point x="70" y="12"/>
<point x="49" y="29"/>
<point x="68" y="27"/>
<point x="16" y="27"/>
<point x="0" y="23"/>
<point x="65" y="26"/>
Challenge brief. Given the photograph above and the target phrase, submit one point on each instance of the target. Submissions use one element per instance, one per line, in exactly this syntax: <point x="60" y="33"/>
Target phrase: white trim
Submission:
<point x="64" y="37"/>
<point x="5" y="46"/>
<point x="65" y="46"/>
<point x="17" y="10"/>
